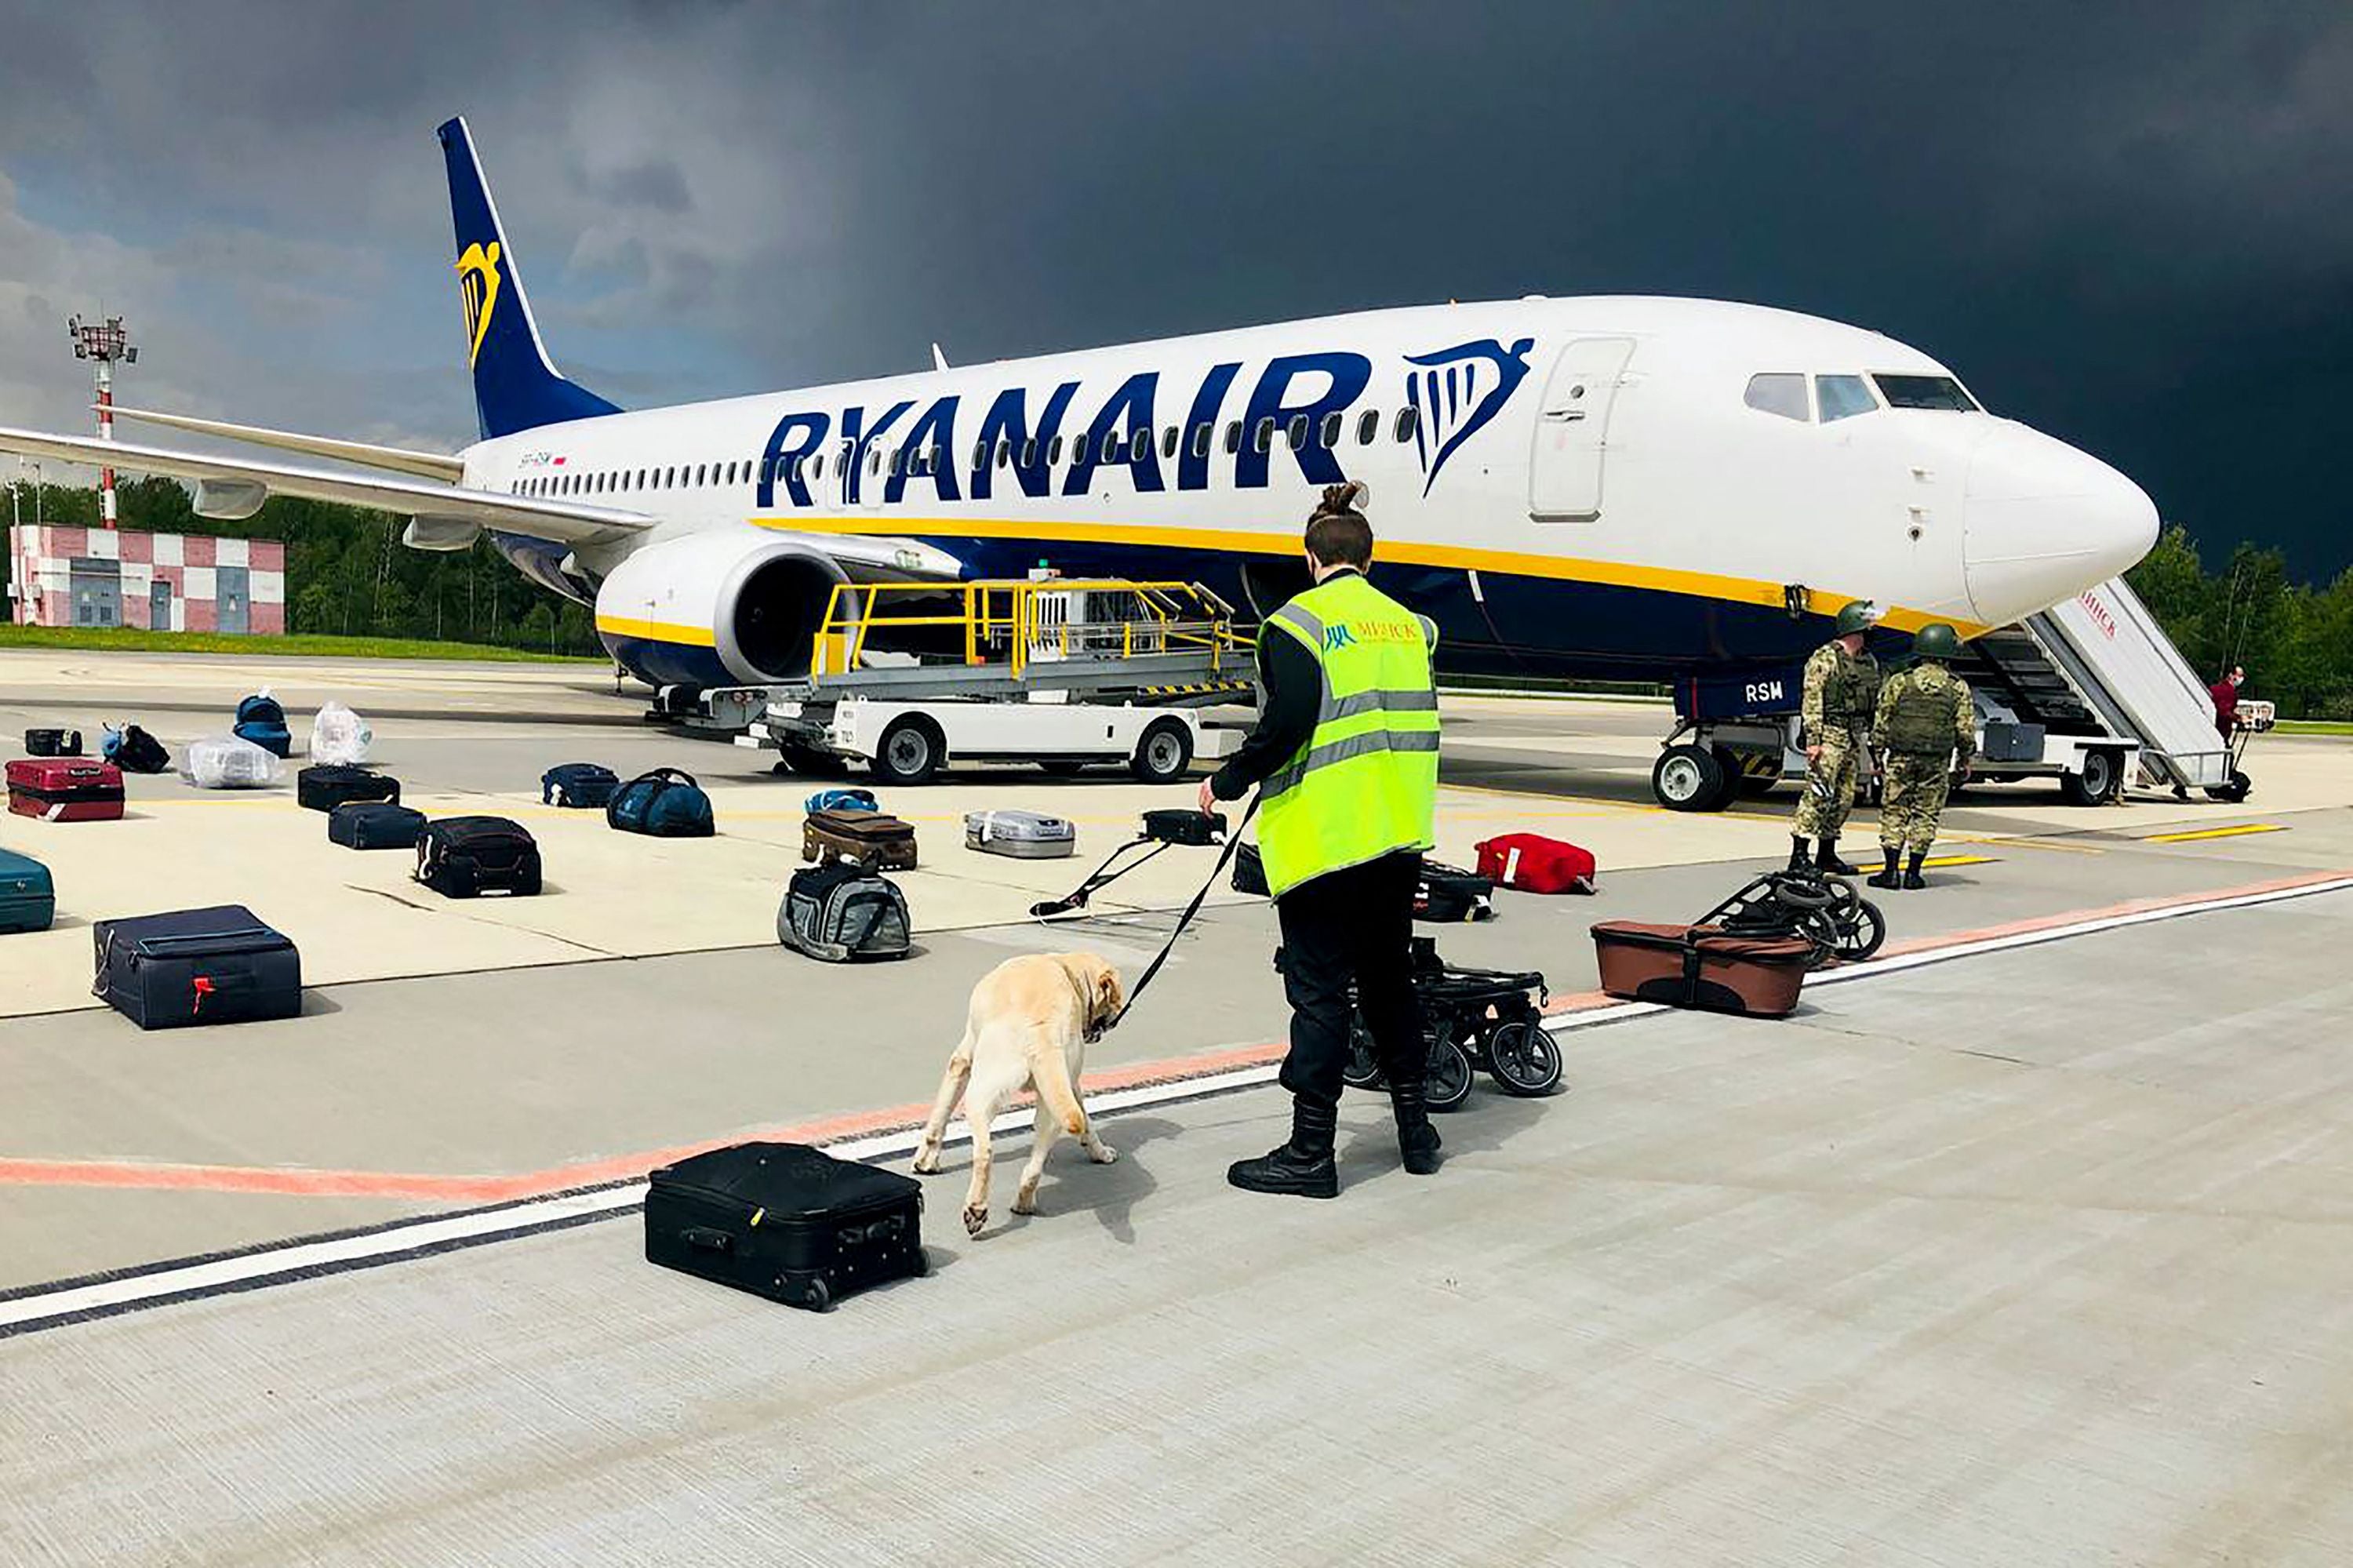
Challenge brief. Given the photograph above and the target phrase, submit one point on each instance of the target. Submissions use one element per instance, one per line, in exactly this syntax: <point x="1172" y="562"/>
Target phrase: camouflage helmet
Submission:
<point x="1937" y="640"/>
<point x="1856" y="616"/>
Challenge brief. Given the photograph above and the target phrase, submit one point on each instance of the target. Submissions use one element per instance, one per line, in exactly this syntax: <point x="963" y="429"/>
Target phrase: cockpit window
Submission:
<point x="1780" y="393"/>
<point x="1938" y="392"/>
<point x="1844" y="397"/>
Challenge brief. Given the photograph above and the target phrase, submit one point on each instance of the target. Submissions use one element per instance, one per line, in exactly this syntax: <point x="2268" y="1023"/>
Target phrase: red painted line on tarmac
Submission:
<point x="421" y="1187"/>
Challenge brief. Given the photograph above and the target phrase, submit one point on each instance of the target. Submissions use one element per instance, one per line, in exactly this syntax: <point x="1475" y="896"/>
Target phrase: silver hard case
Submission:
<point x="1023" y="835"/>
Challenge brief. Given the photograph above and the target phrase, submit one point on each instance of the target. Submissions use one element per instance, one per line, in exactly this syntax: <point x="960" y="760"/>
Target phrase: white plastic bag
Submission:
<point x="226" y="762"/>
<point x="340" y="737"/>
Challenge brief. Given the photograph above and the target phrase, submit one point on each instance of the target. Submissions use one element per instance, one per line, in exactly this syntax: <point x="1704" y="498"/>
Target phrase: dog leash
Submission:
<point x="1233" y="844"/>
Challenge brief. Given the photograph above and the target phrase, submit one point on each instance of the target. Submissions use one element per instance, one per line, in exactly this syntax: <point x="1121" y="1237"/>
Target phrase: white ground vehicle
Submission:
<point x="907" y="741"/>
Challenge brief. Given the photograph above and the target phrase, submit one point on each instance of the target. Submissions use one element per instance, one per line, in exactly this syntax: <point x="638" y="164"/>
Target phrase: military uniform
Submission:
<point x="1840" y="688"/>
<point x="1927" y="725"/>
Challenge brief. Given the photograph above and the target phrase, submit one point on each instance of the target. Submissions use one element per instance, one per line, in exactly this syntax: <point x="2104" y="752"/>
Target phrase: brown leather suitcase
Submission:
<point x="1702" y="967"/>
<point x="871" y="838"/>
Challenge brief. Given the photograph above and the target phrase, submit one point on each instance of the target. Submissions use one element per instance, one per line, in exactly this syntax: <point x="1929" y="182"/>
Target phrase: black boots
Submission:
<point x="1800" y="854"/>
<point x="1827" y="859"/>
<point x="1302" y="1167"/>
<point x="1887" y="877"/>
<point x="1912" y="877"/>
<point x="1417" y="1141"/>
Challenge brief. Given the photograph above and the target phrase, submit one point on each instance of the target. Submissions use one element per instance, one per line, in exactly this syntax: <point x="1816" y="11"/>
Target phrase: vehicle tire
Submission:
<point x="1450" y="1076"/>
<point x="1862" y="933"/>
<point x="2237" y="790"/>
<point x="1523" y="1059"/>
<point x="1164" y="753"/>
<point x="2103" y="775"/>
<point x="912" y="751"/>
<point x="1364" y="1068"/>
<point x="1688" y="778"/>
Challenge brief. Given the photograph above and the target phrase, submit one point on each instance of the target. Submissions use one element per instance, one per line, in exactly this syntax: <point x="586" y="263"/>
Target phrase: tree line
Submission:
<point x="347" y="573"/>
<point x="349" y="576"/>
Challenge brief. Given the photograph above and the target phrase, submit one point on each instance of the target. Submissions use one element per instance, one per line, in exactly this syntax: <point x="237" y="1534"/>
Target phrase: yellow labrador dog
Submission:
<point x="1031" y="1021"/>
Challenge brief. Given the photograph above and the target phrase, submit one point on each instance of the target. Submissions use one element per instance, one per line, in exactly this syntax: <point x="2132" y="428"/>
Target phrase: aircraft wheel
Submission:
<point x="2097" y="784"/>
<point x="1688" y="778"/>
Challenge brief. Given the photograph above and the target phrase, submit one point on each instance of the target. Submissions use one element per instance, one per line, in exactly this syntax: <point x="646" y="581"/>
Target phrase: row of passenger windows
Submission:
<point x="1117" y="447"/>
<point x="1844" y="397"/>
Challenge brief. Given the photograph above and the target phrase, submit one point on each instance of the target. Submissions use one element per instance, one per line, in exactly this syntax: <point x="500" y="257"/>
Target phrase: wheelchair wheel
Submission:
<point x="1523" y="1059"/>
<point x="1450" y="1075"/>
<point x="1364" y="1068"/>
<point x="1862" y="933"/>
<point x="1817" y="928"/>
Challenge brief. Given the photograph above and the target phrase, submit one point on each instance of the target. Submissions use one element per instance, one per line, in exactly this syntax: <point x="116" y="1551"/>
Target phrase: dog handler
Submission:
<point x="1345" y="755"/>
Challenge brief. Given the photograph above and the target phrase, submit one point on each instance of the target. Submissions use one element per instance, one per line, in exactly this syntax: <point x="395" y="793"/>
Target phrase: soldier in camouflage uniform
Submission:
<point x="1928" y="726"/>
<point x="1842" y="685"/>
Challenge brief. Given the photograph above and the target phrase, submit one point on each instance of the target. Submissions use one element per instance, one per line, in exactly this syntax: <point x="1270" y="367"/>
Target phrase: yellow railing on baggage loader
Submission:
<point x="1022" y="621"/>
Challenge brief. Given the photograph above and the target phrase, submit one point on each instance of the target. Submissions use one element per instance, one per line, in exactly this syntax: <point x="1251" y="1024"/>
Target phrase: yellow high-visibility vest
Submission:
<point x="1366" y="784"/>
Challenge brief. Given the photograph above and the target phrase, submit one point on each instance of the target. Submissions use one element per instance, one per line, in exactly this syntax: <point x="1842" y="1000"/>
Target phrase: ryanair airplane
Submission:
<point x="1605" y="487"/>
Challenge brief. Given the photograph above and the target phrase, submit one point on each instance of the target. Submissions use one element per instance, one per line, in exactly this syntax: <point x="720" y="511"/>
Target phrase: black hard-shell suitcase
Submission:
<point x="374" y="825"/>
<point x="221" y="965"/>
<point x="458" y="857"/>
<point x="332" y="784"/>
<point x="786" y="1222"/>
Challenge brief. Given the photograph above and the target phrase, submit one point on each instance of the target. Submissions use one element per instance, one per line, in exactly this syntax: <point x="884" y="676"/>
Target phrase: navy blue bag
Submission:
<point x="583" y="785"/>
<point x="666" y="803"/>
<point x="844" y="799"/>
<point x="261" y="719"/>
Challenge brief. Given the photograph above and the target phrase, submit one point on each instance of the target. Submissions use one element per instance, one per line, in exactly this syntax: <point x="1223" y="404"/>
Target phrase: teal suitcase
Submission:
<point x="29" y="899"/>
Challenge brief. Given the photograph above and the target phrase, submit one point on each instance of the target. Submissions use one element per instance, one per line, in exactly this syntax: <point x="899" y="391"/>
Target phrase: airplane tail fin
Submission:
<point x="515" y="387"/>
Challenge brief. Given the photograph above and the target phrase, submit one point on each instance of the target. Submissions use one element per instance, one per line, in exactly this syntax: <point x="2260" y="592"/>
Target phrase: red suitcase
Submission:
<point x="64" y="789"/>
<point x="1533" y="864"/>
<point x="1702" y="967"/>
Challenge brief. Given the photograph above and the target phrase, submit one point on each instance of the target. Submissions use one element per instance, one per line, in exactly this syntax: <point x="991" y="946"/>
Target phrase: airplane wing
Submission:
<point x="446" y="511"/>
<point x="400" y="459"/>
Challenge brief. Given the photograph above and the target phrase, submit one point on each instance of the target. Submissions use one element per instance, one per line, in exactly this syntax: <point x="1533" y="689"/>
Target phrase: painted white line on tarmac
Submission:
<point x="73" y="1301"/>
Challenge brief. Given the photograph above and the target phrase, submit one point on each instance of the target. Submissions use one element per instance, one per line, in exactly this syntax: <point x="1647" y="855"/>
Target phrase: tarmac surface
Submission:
<point x="2025" y="1244"/>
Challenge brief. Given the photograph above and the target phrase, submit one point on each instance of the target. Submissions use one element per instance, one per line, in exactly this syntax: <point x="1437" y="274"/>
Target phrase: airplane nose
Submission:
<point x="2042" y="521"/>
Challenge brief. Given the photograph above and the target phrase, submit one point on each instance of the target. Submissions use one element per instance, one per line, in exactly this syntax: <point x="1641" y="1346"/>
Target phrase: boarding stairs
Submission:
<point x="2100" y="664"/>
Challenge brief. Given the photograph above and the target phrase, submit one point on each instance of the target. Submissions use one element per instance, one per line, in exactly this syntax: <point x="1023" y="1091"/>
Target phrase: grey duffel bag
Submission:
<point x="840" y="912"/>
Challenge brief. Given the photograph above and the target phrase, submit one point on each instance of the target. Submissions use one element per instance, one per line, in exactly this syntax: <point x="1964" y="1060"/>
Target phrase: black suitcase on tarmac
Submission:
<point x="197" y="966"/>
<point x="458" y="857"/>
<point x="786" y="1222"/>
<point x="374" y="825"/>
<point x="332" y="784"/>
<point x="53" y="742"/>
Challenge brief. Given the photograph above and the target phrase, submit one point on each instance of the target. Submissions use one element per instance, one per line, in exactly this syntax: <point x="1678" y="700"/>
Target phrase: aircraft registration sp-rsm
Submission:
<point x="1628" y="487"/>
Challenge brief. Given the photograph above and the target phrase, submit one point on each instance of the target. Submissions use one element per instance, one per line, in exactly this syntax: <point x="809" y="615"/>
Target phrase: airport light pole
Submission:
<point x="103" y="343"/>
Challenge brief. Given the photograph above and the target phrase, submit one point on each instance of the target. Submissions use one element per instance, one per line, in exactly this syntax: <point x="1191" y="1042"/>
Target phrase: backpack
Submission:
<point x="261" y="719"/>
<point x="583" y="786"/>
<point x="666" y="803"/>
<point x="133" y="750"/>
<point x="838" y="911"/>
<point x="843" y="799"/>
<point x="1533" y="864"/>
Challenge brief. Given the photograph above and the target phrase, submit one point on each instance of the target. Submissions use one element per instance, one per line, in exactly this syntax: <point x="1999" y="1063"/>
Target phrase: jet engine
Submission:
<point x="736" y="605"/>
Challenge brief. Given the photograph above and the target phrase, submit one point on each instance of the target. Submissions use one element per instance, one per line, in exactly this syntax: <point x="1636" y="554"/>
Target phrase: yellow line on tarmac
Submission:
<point x="2240" y="831"/>
<point x="1959" y="859"/>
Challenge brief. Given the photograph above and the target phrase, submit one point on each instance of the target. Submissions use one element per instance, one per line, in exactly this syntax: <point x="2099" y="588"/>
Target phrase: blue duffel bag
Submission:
<point x="666" y="803"/>
<point x="261" y="719"/>
<point x="844" y="799"/>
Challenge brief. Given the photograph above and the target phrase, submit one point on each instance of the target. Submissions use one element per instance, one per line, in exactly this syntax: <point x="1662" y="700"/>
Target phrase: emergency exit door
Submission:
<point x="1569" y="465"/>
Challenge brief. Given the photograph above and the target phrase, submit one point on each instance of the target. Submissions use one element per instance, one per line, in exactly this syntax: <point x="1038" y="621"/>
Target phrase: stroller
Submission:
<point x="1472" y="1021"/>
<point x="1825" y="911"/>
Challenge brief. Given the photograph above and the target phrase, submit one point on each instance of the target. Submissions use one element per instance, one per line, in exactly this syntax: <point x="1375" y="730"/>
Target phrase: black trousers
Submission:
<point x="1353" y="924"/>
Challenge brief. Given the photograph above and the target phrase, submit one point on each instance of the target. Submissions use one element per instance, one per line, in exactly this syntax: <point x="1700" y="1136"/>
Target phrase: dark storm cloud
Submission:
<point x="2123" y="223"/>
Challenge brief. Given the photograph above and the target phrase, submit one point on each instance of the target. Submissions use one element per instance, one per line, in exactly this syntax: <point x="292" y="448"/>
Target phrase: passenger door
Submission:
<point x="1565" y="469"/>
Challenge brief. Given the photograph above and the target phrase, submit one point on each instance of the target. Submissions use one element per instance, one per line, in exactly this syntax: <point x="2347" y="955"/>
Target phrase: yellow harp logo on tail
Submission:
<point x="477" y="284"/>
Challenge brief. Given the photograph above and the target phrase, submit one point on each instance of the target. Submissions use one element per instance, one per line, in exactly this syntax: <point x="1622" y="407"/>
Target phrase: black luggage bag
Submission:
<point x="786" y="1222"/>
<point x="328" y="784"/>
<point x="374" y="825"/>
<point x="458" y="857"/>
<point x="53" y="742"/>
<point x="197" y="966"/>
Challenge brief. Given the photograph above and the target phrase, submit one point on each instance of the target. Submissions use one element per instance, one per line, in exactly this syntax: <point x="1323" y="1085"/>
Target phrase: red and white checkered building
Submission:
<point x="162" y="582"/>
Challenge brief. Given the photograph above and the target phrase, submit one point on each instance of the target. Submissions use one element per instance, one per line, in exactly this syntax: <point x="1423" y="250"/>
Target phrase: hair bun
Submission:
<point x="1349" y="495"/>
